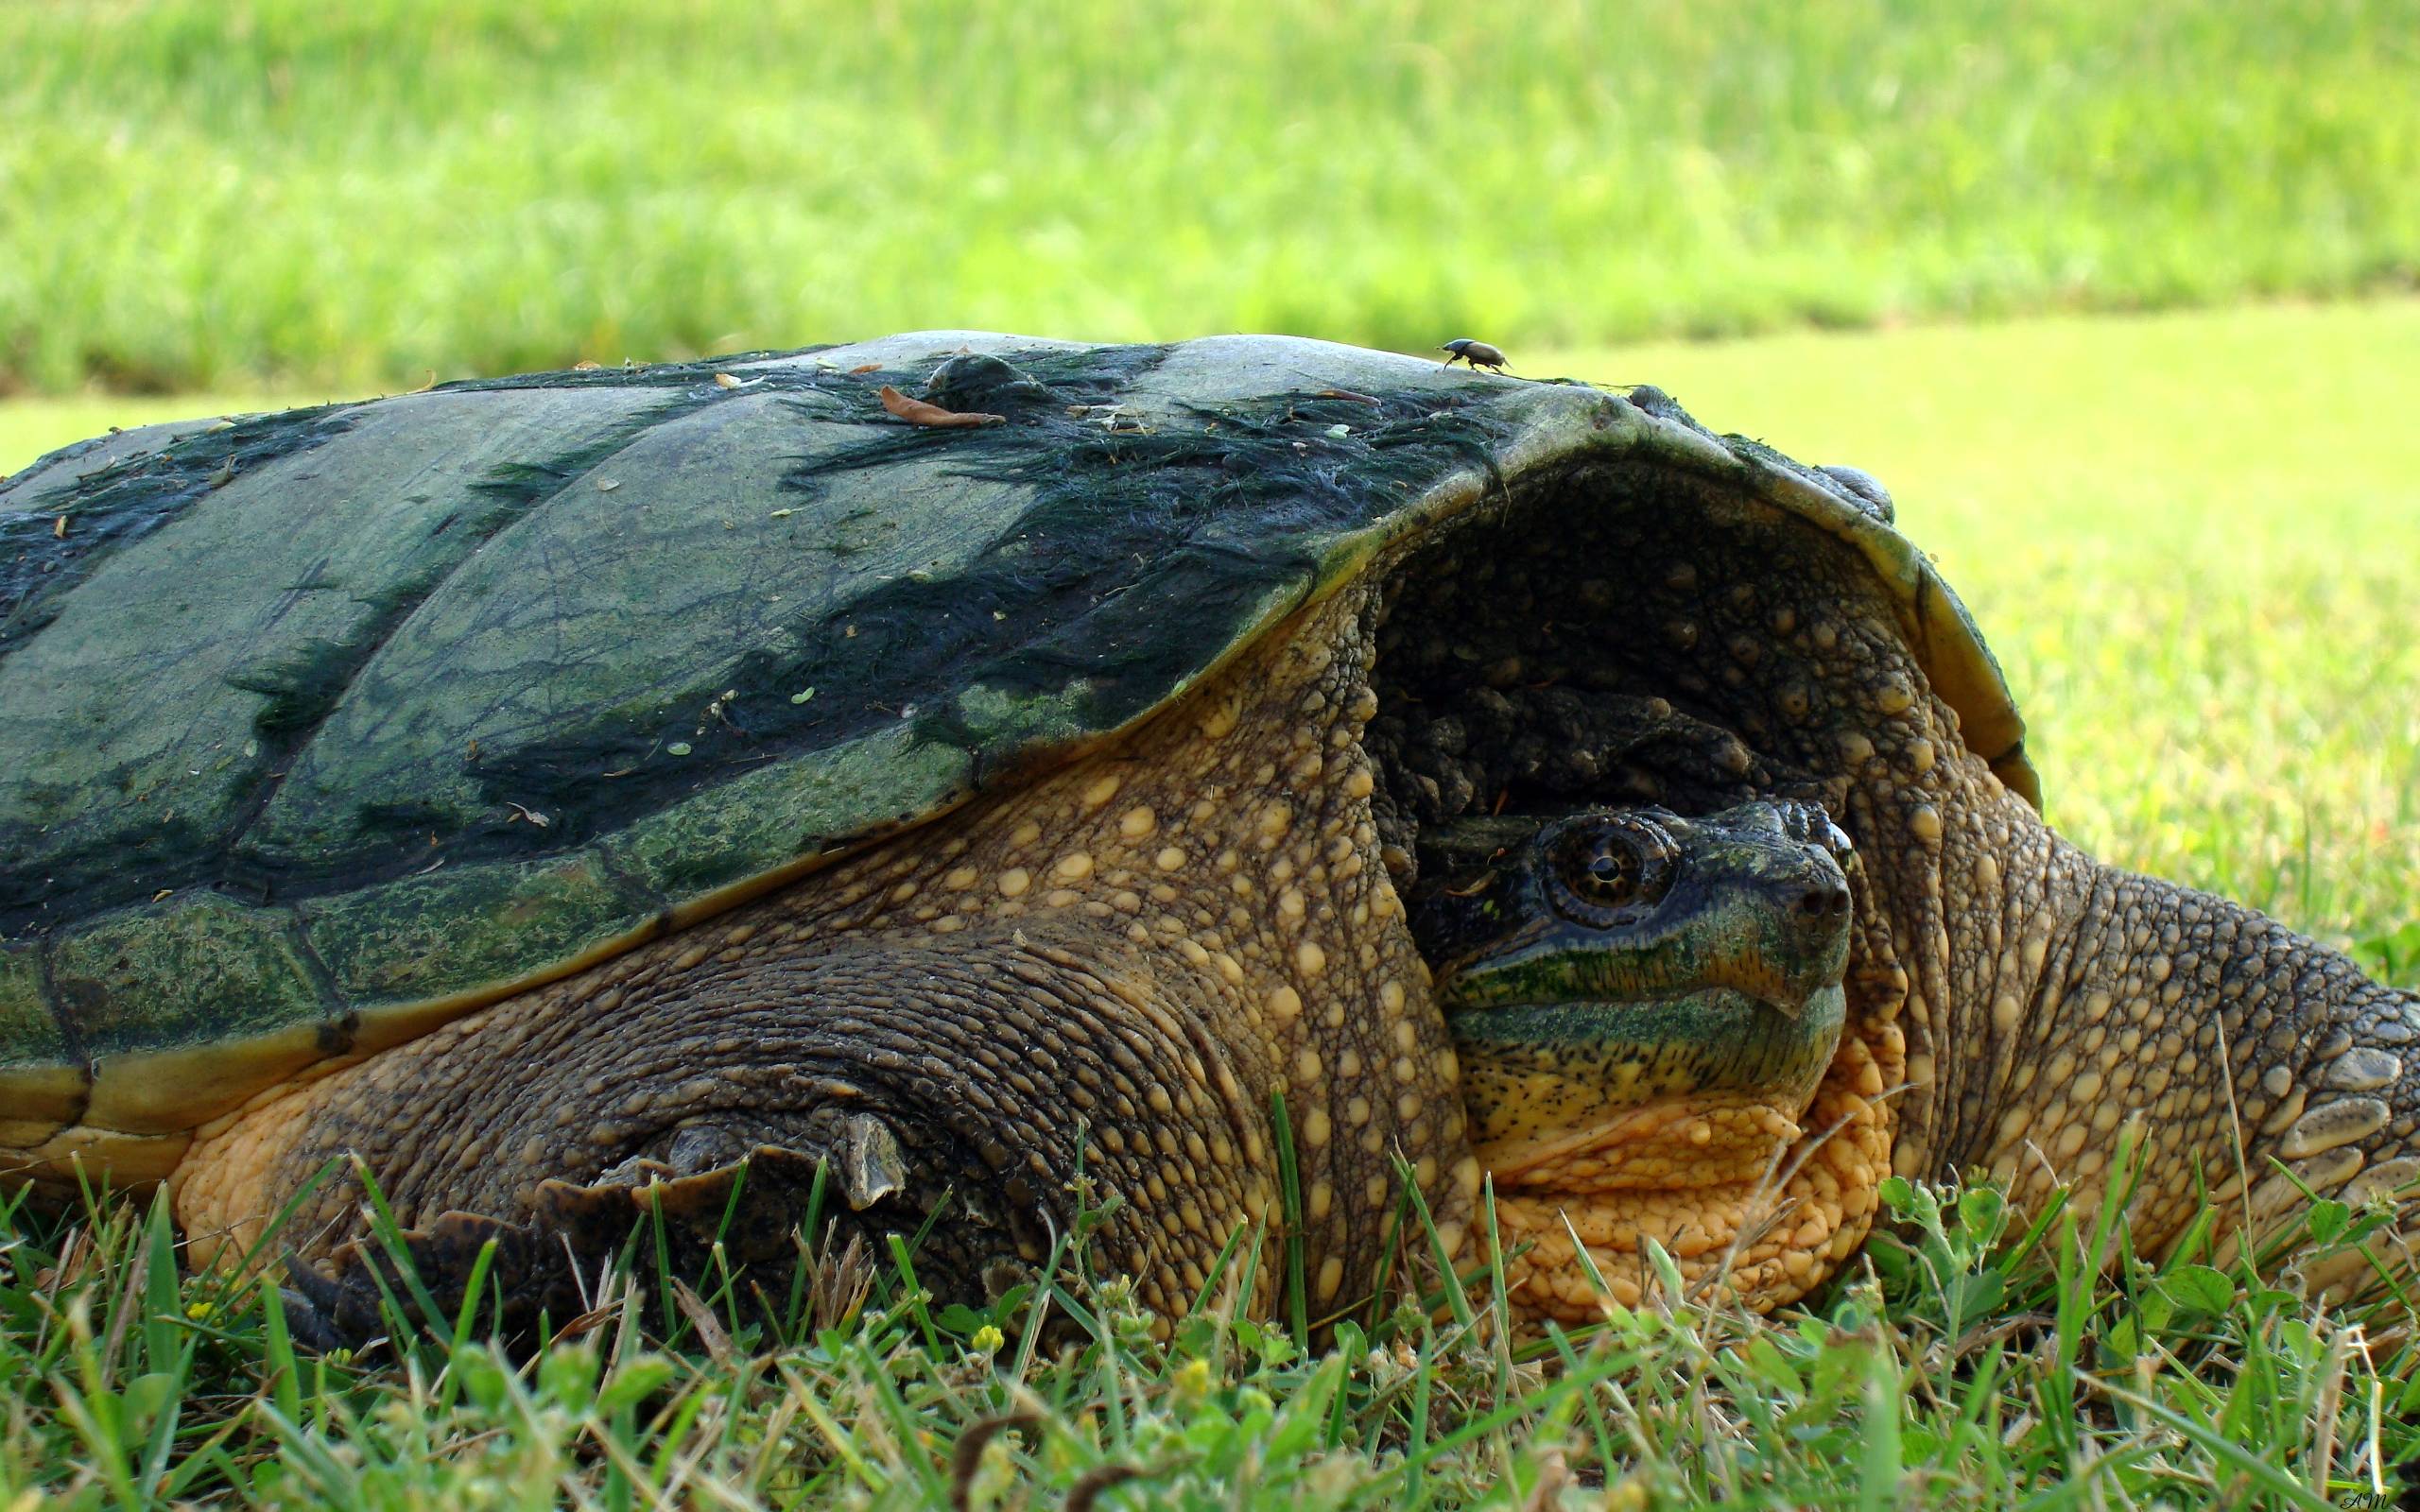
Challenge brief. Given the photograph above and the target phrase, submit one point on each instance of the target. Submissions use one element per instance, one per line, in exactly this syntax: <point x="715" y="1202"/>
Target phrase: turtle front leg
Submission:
<point x="2244" y="1052"/>
<point x="971" y="1085"/>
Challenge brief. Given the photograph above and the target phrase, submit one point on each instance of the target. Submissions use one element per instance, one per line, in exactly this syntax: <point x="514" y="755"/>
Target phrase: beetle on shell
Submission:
<point x="1478" y="353"/>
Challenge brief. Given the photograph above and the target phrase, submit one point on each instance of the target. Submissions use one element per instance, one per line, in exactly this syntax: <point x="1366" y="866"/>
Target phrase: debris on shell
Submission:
<point x="917" y="412"/>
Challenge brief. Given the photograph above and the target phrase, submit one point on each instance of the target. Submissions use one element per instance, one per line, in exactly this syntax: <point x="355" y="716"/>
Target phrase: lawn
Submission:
<point x="2194" y="539"/>
<point x="202" y="194"/>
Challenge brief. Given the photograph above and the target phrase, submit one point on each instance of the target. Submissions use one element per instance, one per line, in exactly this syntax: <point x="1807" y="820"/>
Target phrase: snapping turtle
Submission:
<point x="606" y="790"/>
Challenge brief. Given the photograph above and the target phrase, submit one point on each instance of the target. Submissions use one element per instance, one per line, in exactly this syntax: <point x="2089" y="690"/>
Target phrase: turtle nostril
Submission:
<point x="1820" y="903"/>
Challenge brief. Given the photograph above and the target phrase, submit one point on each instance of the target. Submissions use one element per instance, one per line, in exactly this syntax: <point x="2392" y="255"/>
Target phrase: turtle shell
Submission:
<point x="320" y="729"/>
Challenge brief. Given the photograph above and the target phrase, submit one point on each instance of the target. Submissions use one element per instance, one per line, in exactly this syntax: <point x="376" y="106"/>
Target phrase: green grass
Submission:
<point x="2194" y="540"/>
<point x="1981" y="1361"/>
<point x="217" y="193"/>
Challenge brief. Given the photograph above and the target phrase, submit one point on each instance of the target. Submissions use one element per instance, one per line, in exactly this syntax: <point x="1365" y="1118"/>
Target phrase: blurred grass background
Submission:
<point x="200" y="194"/>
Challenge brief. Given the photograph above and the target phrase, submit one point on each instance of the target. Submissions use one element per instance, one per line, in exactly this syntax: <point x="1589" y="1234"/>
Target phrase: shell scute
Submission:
<point x="779" y="819"/>
<point x="40" y="1068"/>
<point x="461" y="930"/>
<point x="165" y="699"/>
<point x="197" y="971"/>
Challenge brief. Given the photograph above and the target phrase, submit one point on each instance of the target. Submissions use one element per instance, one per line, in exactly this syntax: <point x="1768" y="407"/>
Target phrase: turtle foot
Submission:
<point x="554" y="1267"/>
<point x="351" y="1302"/>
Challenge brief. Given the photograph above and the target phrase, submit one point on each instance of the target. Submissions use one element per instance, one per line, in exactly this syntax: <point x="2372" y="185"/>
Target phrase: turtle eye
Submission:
<point x="1612" y="870"/>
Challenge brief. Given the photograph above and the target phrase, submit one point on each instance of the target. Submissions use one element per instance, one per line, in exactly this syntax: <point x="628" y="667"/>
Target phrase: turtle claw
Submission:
<point x="311" y="1302"/>
<point x="749" y="1207"/>
<point x="637" y="1171"/>
<point x="347" y="1304"/>
<point x="339" y="1308"/>
<point x="328" y="1312"/>
<point x="701" y="1147"/>
<point x="307" y="1325"/>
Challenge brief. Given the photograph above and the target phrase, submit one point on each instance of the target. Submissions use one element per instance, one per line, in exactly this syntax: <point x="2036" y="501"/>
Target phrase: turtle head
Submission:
<point x="1640" y="1002"/>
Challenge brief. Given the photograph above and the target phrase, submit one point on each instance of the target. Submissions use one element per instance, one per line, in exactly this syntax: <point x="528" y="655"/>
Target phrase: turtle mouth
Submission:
<point x="1588" y="1058"/>
<point x="1483" y="1017"/>
<point x="1541" y="1073"/>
